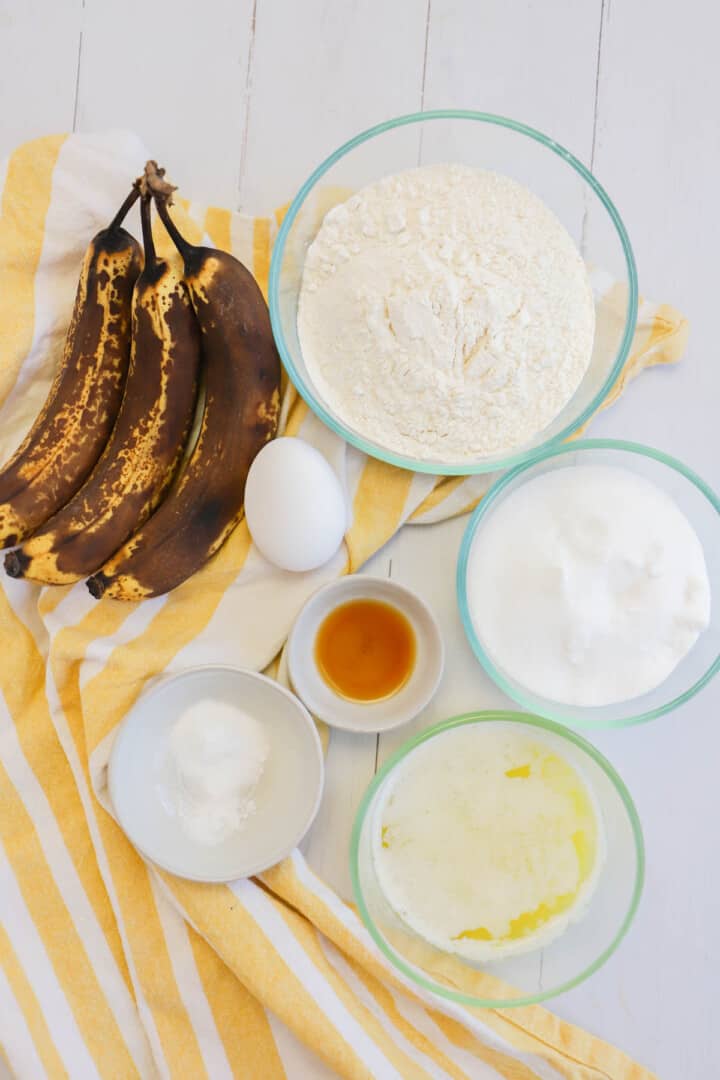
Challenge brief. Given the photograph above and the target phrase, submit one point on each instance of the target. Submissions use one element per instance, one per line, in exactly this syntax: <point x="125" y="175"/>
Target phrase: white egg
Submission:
<point x="294" y="505"/>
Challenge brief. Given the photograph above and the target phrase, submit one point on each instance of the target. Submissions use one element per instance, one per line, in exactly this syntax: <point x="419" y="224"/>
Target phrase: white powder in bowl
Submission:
<point x="587" y="585"/>
<point x="217" y="756"/>
<point x="445" y="313"/>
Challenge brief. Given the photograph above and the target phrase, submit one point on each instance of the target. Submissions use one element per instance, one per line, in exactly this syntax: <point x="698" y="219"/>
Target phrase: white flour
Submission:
<point x="445" y="313"/>
<point x="588" y="585"/>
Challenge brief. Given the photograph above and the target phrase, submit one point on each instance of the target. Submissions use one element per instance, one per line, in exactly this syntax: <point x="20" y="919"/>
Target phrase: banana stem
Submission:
<point x="175" y="235"/>
<point x="148" y="242"/>
<point x="126" y="206"/>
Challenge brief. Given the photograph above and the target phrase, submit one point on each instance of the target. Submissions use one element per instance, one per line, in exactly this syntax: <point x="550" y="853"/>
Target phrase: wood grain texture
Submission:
<point x="38" y="69"/>
<point x="176" y="73"/>
<point x="657" y="152"/>
<point x="244" y="99"/>
<point x="486" y="56"/>
<point x="321" y="72"/>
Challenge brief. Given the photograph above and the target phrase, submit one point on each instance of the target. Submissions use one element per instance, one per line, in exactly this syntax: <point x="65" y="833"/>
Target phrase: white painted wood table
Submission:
<point x="242" y="99"/>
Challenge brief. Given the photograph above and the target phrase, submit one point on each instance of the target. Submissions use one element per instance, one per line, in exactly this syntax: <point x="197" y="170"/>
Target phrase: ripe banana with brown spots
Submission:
<point x="147" y="442"/>
<point x="242" y="395"/>
<point x="75" y="422"/>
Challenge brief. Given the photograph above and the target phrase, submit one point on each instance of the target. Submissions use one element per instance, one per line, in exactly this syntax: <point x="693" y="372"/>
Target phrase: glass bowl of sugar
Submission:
<point x="452" y="291"/>
<point x="588" y="584"/>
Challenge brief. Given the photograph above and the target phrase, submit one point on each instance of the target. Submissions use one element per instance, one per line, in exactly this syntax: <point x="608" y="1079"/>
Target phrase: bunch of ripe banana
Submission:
<point x="105" y="484"/>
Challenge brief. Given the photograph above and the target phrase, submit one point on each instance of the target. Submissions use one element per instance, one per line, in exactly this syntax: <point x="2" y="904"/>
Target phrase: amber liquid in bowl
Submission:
<point x="365" y="650"/>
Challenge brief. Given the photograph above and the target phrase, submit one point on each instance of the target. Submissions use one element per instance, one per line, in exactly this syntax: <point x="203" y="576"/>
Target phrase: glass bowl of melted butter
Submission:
<point x="497" y="859"/>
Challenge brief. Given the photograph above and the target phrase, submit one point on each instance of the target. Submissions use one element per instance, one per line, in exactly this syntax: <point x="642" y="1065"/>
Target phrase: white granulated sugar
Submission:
<point x="445" y="313"/>
<point x="588" y="585"/>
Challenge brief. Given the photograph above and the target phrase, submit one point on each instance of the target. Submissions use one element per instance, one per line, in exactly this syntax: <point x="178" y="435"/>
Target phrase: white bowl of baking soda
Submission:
<point x="216" y="773"/>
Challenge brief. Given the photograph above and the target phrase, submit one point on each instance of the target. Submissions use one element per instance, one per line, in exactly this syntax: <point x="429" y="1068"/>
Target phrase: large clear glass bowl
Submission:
<point x="558" y="966"/>
<point x="702" y="509"/>
<point x="483" y="141"/>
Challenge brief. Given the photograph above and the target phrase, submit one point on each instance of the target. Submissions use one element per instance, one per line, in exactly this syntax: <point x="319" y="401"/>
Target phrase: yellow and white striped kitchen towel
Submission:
<point x="107" y="967"/>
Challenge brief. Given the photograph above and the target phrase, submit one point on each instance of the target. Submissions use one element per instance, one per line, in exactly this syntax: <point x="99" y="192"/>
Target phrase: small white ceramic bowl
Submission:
<point x="287" y="796"/>
<point x="365" y="716"/>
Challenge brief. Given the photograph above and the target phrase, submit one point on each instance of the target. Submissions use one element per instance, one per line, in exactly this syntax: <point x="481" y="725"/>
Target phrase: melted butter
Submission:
<point x="519" y="772"/>
<point x="480" y="933"/>
<point x="562" y="778"/>
<point x="520" y="828"/>
<point x="365" y="650"/>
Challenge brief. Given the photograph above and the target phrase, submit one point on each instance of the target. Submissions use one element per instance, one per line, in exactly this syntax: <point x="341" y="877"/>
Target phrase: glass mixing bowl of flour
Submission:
<point x="482" y="818"/>
<point x="555" y="184"/>
<point x="609" y="615"/>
